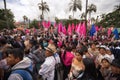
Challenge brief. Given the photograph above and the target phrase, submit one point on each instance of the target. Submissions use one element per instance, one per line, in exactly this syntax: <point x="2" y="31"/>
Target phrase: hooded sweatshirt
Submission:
<point x="25" y="63"/>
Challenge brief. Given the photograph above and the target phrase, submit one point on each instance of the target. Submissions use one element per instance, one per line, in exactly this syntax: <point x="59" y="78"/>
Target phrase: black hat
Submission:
<point x="116" y="63"/>
<point x="3" y="40"/>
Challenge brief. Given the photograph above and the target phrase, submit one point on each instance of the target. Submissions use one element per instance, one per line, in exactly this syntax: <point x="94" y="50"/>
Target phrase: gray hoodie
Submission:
<point x="25" y="63"/>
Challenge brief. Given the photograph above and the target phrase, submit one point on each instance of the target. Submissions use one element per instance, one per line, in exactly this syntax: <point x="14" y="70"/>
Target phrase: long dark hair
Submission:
<point x="90" y="69"/>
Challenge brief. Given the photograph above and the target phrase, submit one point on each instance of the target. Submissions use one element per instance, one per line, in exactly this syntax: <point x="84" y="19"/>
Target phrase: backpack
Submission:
<point x="58" y="74"/>
<point x="25" y="73"/>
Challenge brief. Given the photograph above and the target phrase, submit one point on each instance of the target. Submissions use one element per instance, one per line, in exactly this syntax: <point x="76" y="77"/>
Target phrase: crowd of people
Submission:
<point x="46" y="55"/>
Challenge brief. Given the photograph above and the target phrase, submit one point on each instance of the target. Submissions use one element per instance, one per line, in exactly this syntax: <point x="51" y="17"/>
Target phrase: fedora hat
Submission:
<point x="51" y="48"/>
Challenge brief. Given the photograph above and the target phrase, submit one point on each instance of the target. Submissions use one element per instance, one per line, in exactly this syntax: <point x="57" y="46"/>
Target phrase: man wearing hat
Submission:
<point x="48" y="67"/>
<point x="115" y="67"/>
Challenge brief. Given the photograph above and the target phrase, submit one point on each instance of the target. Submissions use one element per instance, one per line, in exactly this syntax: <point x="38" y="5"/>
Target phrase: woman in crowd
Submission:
<point x="90" y="72"/>
<point x="115" y="67"/>
<point x="105" y="67"/>
<point x="77" y="66"/>
<point x="67" y="57"/>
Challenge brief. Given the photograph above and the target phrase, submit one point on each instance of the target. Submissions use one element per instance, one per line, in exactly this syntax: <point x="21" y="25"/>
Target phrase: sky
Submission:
<point x="58" y="8"/>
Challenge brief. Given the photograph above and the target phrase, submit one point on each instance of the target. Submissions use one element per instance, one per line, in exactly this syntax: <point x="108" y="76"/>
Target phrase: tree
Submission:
<point x="93" y="20"/>
<point x="102" y="16"/>
<point x="44" y="8"/>
<point x="111" y="19"/>
<point x="82" y="16"/>
<point x="25" y="18"/>
<point x="117" y="7"/>
<point x="74" y="5"/>
<point x="34" y="24"/>
<point x="3" y="19"/>
<point x="5" y="11"/>
<point x="91" y="8"/>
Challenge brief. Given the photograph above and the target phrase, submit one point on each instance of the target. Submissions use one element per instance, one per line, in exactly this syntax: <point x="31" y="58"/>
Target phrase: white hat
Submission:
<point x="108" y="59"/>
<point x="51" y="48"/>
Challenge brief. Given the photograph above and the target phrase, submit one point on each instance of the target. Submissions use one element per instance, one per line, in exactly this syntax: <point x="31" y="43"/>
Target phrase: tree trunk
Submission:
<point x="42" y="15"/>
<point x="73" y="14"/>
<point x="6" y="14"/>
<point x="86" y="14"/>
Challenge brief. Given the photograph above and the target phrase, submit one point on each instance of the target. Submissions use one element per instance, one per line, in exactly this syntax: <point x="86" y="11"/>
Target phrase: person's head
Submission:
<point x="62" y="49"/>
<point x="50" y="50"/>
<point x="14" y="56"/>
<point x="105" y="62"/>
<point x="108" y="51"/>
<point x="32" y="43"/>
<point x="17" y="38"/>
<point x="79" y="54"/>
<point x="85" y="49"/>
<point x="45" y="43"/>
<point x="2" y="41"/>
<point x="93" y="46"/>
<point x="73" y="48"/>
<point x="115" y="66"/>
<point x="5" y="51"/>
<point x="90" y="68"/>
<point x="102" y="51"/>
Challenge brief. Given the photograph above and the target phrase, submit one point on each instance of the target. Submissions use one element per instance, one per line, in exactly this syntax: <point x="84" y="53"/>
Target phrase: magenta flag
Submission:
<point x="83" y="29"/>
<point x="48" y="24"/>
<point x="43" y="23"/>
<point x="64" y="31"/>
<point x="59" y="28"/>
<point x="109" y="32"/>
<point x="55" y="24"/>
<point x="73" y="26"/>
<point x="96" y="27"/>
<point x="100" y="28"/>
<point x="69" y="30"/>
<point x="78" y="28"/>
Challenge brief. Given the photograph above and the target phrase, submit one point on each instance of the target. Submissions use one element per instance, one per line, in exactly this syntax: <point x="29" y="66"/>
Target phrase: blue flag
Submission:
<point x="115" y="32"/>
<point x="92" y="30"/>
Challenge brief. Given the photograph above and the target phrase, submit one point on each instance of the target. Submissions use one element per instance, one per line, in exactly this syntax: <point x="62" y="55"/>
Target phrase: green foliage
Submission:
<point x="44" y="8"/>
<point x="74" y="5"/>
<point x="4" y="18"/>
<point x="34" y="24"/>
<point x="111" y="19"/>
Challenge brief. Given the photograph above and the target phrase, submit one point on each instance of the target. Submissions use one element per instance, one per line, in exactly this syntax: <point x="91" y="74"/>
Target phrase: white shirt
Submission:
<point x="47" y="68"/>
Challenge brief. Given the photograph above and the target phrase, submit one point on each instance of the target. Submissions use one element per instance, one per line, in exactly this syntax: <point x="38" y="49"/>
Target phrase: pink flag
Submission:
<point x="96" y="27"/>
<point x="78" y="28"/>
<point x="100" y="28"/>
<point x="109" y="32"/>
<point x="44" y="24"/>
<point x="64" y="30"/>
<point x="59" y="28"/>
<point x="69" y="30"/>
<point x="83" y="29"/>
<point x="73" y="26"/>
<point x="55" y="24"/>
<point x="48" y="24"/>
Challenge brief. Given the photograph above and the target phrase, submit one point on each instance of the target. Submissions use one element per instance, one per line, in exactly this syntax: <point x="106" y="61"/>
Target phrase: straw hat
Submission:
<point x="51" y="48"/>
